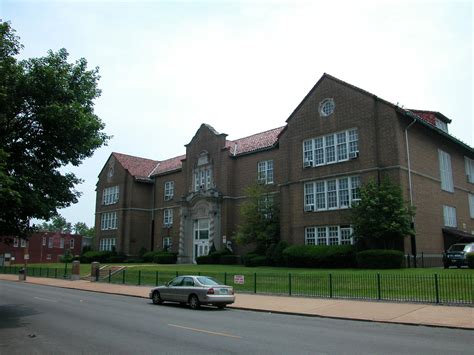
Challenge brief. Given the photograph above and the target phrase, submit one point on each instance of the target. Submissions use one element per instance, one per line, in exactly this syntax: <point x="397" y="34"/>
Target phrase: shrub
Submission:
<point x="275" y="253"/>
<point x="165" y="258"/>
<point x="205" y="260"/>
<point x="91" y="256"/>
<point x="213" y="257"/>
<point x="118" y="258"/>
<point x="320" y="256"/>
<point x="247" y="257"/>
<point x="470" y="260"/>
<point x="380" y="259"/>
<point x="149" y="256"/>
<point x="229" y="259"/>
<point x="259" y="260"/>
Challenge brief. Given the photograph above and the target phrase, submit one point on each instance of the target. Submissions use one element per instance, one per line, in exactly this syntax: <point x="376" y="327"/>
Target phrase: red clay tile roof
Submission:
<point x="168" y="165"/>
<point x="255" y="142"/>
<point x="137" y="167"/>
<point x="431" y="116"/>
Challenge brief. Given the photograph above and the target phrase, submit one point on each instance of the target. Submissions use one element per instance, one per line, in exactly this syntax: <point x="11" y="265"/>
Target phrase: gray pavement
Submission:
<point x="388" y="312"/>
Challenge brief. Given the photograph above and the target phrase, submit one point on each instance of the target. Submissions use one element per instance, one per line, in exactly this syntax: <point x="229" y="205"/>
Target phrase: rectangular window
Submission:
<point x="61" y="243"/>
<point x="16" y="242"/>
<point x="441" y="125"/>
<point x="471" y="205"/>
<point x="168" y="217"/>
<point x="445" y="170"/>
<point x="265" y="205"/>
<point x="329" y="235"/>
<point x="44" y="241"/>
<point x="203" y="178"/>
<point x="50" y="242"/>
<point x="449" y="215"/>
<point x="166" y="243"/>
<point x="321" y="236"/>
<point x="48" y="257"/>
<point x="310" y="236"/>
<point x="332" y="148"/>
<point x="169" y="190"/>
<point x="469" y="169"/>
<point x="23" y="243"/>
<point x="71" y="244"/>
<point x="107" y="244"/>
<point x="265" y="172"/>
<point x="110" y="195"/>
<point x="108" y="221"/>
<point x="331" y="194"/>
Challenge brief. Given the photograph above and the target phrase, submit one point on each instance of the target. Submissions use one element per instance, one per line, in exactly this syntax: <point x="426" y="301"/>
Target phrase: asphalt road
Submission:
<point x="37" y="319"/>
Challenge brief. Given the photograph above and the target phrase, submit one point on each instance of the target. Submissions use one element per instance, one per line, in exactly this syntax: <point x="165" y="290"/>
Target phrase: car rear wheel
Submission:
<point x="221" y="306"/>
<point x="157" y="298"/>
<point x="194" y="302"/>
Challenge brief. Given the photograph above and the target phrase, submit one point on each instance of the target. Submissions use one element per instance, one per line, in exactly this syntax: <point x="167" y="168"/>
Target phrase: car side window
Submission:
<point x="188" y="281"/>
<point x="176" y="282"/>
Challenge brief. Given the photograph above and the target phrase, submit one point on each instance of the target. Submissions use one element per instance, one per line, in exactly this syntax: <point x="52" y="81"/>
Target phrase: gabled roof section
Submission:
<point x="139" y="168"/>
<point x="210" y="128"/>
<point x="427" y="118"/>
<point x="254" y="143"/>
<point x="169" y="165"/>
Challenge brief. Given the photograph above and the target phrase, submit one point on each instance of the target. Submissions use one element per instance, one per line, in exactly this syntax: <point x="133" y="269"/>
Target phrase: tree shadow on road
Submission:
<point x="12" y="315"/>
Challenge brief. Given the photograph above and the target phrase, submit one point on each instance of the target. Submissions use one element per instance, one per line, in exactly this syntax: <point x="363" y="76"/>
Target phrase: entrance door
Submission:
<point x="201" y="238"/>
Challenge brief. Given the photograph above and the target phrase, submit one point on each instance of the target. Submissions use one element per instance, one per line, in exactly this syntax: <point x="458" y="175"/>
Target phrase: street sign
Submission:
<point x="239" y="279"/>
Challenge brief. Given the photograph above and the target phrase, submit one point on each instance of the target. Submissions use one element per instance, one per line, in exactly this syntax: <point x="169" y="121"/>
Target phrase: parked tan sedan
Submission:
<point x="195" y="291"/>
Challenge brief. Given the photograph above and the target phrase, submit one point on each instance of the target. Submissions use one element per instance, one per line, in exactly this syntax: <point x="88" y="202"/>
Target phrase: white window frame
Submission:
<point x="61" y="243"/>
<point x="108" y="221"/>
<point x="166" y="242"/>
<point x="265" y="172"/>
<point x="71" y="243"/>
<point x="203" y="178"/>
<point x="331" y="148"/>
<point x="319" y="197"/>
<point x="44" y="241"/>
<point x="107" y="244"/>
<point x="50" y="242"/>
<point x="169" y="190"/>
<point x="441" y="125"/>
<point x="469" y="163"/>
<point x="445" y="171"/>
<point x="167" y="217"/>
<point x="471" y="204"/>
<point x="23" y="243"/>
<point x="110" y="195"/>
<point x="329" y="235"/>
<point x="449" y="216"/>
<point x="16" y="242"/>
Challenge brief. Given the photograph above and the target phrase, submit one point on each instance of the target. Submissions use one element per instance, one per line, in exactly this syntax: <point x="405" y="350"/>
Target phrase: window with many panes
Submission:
<point x="168" y="217"/>
<point x="166" y="243"/>
<point x="202" y="178"/>
<point x="265" y="172"/>
<point x="50" y="242"/>
<point x="71" y="244"/>
<point x="110" y="195"/>
<point x="471" y="205"/>
<point x="331" y="194"/>
<point x="169" y="190"/>
<point x="107" y="244"/>
<point x="445" y="171"/>
<point x="331" y="148"/>
<point x="108" y="221"/>
<point x="16" y="242"/>
<point x="328" y="235"/>
<point x="265" y="205"/>
<point x="449" y="216"/>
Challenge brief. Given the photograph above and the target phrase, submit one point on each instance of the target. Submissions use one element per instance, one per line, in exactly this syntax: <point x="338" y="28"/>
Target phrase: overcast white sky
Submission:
<point x="243" y="66"/>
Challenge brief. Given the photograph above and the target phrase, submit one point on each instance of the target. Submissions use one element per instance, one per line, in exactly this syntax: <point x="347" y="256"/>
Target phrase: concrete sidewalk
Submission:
<point x="388" y="312"/>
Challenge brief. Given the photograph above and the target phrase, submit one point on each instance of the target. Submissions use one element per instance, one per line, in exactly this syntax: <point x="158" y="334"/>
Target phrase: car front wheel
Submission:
<point x="194" y="302"/>
<point x="157" y="298"/>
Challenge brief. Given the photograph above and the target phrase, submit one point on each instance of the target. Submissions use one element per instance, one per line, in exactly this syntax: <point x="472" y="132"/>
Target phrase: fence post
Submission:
<point x="379" y="291"/>
<point x="139" y="277"/>
<point x="225" y="278"/>
<point x="56" y="273"/>
<point x="156" y="279"/>
<point x="110" y="275"/>
<point x="40" y="272"/>
<point x="422" y="260"/>
<point x="330" y="285"/>
<point x="47" y="272"/>
<point x="123" y="277"/>
<point x="436" y="288"/>
<point x="255" y="282"/>
<point x="177" y="274"/>
<point x="289" y="284"/>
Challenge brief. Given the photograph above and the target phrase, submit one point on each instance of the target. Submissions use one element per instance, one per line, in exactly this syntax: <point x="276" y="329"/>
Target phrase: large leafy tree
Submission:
<point x="57" y="224"/>
<point x="260" y="219"/>
<point x="381" y="218"/>
<point x="47" y="121"/>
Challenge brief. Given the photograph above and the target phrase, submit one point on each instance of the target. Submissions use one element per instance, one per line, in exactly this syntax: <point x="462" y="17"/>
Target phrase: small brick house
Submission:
<point x="336" y="139"/>
<point x="42" y="247"/>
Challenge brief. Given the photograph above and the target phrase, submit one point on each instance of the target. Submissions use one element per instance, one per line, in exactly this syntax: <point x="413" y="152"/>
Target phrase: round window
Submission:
<point x="326" y="107"/>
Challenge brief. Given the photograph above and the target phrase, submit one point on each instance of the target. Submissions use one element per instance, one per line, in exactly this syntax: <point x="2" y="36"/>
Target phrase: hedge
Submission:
<point x="165" y="258"/>
<point x="99" y="256"/>
<point x="320" y="256"/>
<point x="229" y="259"/>
<point x="214" y="257"/>
<point x="380" y="259"/>
<point x="275" y="253"/>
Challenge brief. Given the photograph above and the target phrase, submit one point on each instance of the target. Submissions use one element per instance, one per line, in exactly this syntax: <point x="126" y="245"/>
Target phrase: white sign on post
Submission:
<point x="239" y="279"/>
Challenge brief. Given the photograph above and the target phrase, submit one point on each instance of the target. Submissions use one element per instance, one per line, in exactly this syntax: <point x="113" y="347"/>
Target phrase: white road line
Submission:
<point x="205" y="331"/>
<point x="45" y="299"/>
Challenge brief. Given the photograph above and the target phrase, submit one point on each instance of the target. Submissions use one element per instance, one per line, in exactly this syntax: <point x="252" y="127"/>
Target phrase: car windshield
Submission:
<point x="207" y="281"/>
<point x="457" y="247"/>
